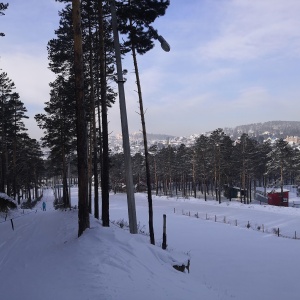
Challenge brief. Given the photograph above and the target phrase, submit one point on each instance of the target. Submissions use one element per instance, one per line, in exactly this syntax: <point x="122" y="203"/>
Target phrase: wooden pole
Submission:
<point x="164" y="243"/>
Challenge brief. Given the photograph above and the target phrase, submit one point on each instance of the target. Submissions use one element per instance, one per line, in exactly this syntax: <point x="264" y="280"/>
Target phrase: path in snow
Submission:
<point x="37" y="258"/>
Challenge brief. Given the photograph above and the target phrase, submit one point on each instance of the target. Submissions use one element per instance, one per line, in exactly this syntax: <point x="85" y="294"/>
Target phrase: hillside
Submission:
<point x="279" y="129"/>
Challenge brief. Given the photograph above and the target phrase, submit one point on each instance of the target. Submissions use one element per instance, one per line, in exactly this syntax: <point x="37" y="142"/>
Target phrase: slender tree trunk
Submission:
<point x="14" y="179"/>
<point x="250" y="187"/>
<point x="100" y="136"/>
<point x="93" y="122"/>
<point x="83" y="209"/>
<point x="36" y="190"/>
<point x="3" y="148"/>
<point x="156" y="177"/>
<point x="194" y="180"/>
<point x="55" y="190"/>
<point x="29" y="193"/>
<point x="148" y="176"/>
<point x="95" y="167"/>
<point x="105" y="161"/>
<point x="90" y="171"/>
<point x="64" y="180"/>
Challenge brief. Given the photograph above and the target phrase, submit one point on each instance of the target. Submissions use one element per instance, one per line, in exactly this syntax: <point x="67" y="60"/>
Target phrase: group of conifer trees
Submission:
<point x="21" y="163"/>
<point x="83" y="59"/>
<point x="212" y="165"/>
<point x="21" y="157"/>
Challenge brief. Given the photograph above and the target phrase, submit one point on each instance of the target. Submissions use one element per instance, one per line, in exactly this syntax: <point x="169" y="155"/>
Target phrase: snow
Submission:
<point x="42" y="258"/>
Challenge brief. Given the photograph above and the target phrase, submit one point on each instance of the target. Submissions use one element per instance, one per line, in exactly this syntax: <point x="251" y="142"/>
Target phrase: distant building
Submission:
<point x="293" y="140"/>
<point x="272" y="196"/>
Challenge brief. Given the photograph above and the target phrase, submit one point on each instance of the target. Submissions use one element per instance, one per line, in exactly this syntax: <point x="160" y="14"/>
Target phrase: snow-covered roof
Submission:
<point x="6" y="197"/>
<point x="271" y="190"/>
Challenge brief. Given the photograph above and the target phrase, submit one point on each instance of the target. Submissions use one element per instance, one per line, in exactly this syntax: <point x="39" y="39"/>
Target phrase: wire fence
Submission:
<point x="242" y="223"/>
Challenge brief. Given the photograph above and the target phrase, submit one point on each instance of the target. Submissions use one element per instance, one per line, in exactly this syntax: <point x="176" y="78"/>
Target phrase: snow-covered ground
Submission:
<point x="42" y="258"/>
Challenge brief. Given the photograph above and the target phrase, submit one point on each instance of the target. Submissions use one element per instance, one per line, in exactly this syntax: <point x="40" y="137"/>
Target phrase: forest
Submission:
<point x="213" y="163"/>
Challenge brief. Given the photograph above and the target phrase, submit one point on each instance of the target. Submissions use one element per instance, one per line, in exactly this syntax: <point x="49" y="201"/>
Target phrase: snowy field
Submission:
<point x="234" y="250"/>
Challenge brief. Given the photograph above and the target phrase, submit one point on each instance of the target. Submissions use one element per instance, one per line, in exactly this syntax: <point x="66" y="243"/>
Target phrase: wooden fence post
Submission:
<point x="164" y="243"/>
<point x="12" y="224"/>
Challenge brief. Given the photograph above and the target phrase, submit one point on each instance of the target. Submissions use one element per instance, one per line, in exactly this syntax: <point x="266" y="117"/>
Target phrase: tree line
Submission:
<point x="21" y="158"/>
<point x="214" y="164"/>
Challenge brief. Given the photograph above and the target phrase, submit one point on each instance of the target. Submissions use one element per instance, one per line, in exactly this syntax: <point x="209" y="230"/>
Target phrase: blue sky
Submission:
<point x="232" y="62"/>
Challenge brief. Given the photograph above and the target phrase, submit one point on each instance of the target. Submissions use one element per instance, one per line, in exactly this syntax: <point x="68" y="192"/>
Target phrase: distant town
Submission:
<point x="261" y="131"/>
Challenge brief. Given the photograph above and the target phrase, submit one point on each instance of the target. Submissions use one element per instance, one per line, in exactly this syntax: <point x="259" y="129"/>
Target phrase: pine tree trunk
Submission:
<point x="105" y="161"/>
<point x="93" y="122"/>
<point x="3" y="142"/>
<point x="14" y="167"/>
<point x="64" y="178"/>
<point x="100" y="139"/>
<point x="90" y="171"/>
<point x="148" y="176"/>
<point x="83" y="210"/>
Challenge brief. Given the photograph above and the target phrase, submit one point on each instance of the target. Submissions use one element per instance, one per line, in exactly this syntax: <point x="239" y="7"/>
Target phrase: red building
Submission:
<point x="275" y="197"/>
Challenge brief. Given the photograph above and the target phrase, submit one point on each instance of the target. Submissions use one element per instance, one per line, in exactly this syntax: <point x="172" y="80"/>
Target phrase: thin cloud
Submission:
<point x="252" y="97"/>
<point x="254" y="29"/>
<point x="30" y="75"/>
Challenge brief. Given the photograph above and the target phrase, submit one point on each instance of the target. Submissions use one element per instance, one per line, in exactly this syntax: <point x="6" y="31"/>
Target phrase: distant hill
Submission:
<point x="258" y="131"/>
<point x="279" y="129"/>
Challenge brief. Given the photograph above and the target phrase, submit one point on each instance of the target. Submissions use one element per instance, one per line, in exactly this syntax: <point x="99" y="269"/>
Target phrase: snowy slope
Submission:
<point x="43" y="258"/>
